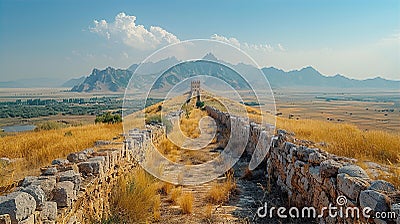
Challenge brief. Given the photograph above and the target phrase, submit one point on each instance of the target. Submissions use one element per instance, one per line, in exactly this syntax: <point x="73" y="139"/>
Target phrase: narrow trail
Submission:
<point x="253" y="192"/>
<point x="241" y="207"/>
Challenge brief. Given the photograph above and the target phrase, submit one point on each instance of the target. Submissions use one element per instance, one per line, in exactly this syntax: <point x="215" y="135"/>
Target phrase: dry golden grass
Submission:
<point x="347" y="140"/>
<point x="186" y="202"/>
<point x="135" y="198"/>
<point x="32" y="150"/>
<point x="208" y="212"/>
<point x="190" y="125"/>
<point x="156" y="208"/>
<point x="175" y="194"/>
<point x="166" y="188"/>
<point x="221" y="192"/>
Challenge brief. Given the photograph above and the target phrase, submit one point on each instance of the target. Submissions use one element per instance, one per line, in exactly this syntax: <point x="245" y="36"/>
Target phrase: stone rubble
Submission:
<point x="77" y="189"/>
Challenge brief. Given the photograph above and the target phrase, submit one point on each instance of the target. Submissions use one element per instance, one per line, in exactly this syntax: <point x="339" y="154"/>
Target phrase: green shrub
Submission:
<point x="199" y="104"/>
<point x="153" y="119"/>
<point x="49" y="125"/>
<point x="108" y="118"/>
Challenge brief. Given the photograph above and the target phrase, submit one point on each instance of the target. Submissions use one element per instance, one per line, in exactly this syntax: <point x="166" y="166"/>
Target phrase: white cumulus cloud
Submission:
<point x="124" y="29"/>
<point x="247" y="46"/>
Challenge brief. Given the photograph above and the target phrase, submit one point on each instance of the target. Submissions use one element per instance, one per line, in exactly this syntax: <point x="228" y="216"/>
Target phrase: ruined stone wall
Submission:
<point x="314" y="178"/>
<point x="72" y="190"/>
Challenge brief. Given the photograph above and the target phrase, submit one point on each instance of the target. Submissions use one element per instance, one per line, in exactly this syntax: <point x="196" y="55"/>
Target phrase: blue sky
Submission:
<point x="58" y="38"/>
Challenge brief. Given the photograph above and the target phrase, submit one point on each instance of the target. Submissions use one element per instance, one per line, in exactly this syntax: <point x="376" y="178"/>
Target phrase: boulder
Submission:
<point x="37" y="193"/>
<point x="47" y="184"/>
<point x="377" y="201"/>
<point x="315" y="173"/>
<point x="88" y="151"/>
<point x="94" y="166"/>
<point x="49" y="211"/>
<point x="19" y="205"/>
<point x="329" y="168"/>
<point x="316" y="158"/>
<point x="382" y="186"/>
<point x="351" y="186"/>
<point x="353" y="171"/>
<point x="60" y="162"/>
<point x="77" y="157"/>
<point x="28" y="180"/>
<point x="64" y="194"/>
<point x="72" y="176"/>
<point x="49" y="171"/>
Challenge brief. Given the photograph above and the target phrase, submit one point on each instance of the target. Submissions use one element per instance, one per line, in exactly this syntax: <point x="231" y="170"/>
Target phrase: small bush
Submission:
<point x="135" y="197"/>
<point x="175" y="194"/>
<point x="108" y="118"/>
<point x="199" y="104"/>
<point x="186" y="202"/>
<point x="49" y="125"/>
<point x="68" y="133"/>
<point x="153" y="119"/>
<point x="221" y="192"/>
<point x="208" y="211"/>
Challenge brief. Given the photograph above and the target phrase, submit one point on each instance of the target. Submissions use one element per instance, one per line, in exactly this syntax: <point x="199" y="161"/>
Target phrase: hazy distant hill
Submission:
<point x="112" y="79"/>
<point x="109" y="79"/>
<point x="73" y="82"/>
<point x="32" y="83"/>
<point x="309" y="77"/>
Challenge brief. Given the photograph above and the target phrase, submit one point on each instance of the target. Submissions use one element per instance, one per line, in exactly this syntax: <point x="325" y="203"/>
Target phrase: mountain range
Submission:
<point x="115" y="80"/>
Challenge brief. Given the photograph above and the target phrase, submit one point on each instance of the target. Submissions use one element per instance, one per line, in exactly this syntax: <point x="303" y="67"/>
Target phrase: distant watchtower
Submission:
<point x="195" y="88"/>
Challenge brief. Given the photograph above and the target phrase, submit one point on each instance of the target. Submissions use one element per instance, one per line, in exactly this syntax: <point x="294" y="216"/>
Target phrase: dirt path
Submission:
<point x="241" y="208"/>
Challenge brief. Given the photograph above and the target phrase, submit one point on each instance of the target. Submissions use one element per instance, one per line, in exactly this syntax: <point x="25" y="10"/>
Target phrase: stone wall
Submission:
<point x="314" y="178"/>
<point x="77" y="189"/>
<point x="72" y="190"/>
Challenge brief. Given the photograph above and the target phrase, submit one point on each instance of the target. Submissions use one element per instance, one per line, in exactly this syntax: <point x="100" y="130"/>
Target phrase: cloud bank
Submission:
<point x="124" y="29"/>
<point x="266" y="48"/>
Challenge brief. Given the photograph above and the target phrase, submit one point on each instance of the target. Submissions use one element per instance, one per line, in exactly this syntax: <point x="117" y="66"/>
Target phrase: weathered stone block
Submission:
<point x="91" y="168"/>
<point x="353" y="171"/>
<point x="28" y="180"/>
<point x="382" y="186"/>
<point x="47" y="184"/>
<point x="351" y="186"/>
<point x="77" y="157"/>
<point x="329" y="168"/>
<point x="19" y="205"/>
<point x="88" y="151"/>
<point x="315" y="173"/>
<point x="102" y="159"/>
<point x="316" y="158"/>
<point x="49" y="171"/>
<point x="49" y="211"/>
<point x="64" y="194"/>
<point x="377" y="201"/>
<point x="72" y="176"/>
<point x="60" y="162"/>
<point x="37" y="193"/>
<point x="396" y="208"/>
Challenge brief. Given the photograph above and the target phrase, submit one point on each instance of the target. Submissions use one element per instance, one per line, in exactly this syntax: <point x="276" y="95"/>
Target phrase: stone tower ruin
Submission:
<point x="195" y="88"/>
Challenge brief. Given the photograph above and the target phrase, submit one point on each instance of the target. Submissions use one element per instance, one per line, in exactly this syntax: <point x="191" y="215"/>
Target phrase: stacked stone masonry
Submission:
<point x="77" y="189"/>
<point x="73" y="190"/>
<point x="314" y="178"/>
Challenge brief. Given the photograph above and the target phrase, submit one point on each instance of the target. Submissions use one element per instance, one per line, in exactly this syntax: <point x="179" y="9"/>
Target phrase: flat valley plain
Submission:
<point x="367" y="109"/>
